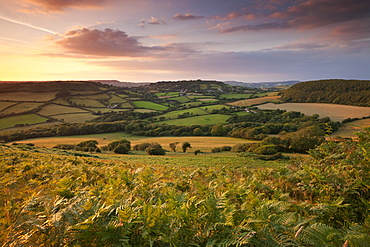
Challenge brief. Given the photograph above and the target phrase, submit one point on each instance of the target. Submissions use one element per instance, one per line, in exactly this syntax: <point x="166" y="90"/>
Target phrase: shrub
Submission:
<point x="121" y="149"/>
<point x="266" y="149"/>
<point x="142" y="146"/>
<point x="239" y="148"/>
<point x="155" y="149"/>
<point x="216" y="150"/>
<point x="113" y="145"/>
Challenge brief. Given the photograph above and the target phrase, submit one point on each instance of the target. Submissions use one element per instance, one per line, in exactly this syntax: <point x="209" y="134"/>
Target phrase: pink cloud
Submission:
<point x="96" y="42"/>
<point x="108" y="42"/>
<point x="187" y="17"/>
<point x="301" y="15"/>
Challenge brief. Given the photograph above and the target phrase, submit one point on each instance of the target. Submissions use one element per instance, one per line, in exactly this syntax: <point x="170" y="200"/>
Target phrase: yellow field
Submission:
<point x="28" y="96"/>
<point x="335" y="112"/>
<point x="203" y="143"/>
<point x="255" y="101"/>
<point x="52" y="109"/>
<point x="348" y="129"/>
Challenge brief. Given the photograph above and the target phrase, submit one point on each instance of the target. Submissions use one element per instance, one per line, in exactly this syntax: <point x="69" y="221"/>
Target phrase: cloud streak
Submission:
<point x="62" y="5"/>
<point x="27" y="25"/>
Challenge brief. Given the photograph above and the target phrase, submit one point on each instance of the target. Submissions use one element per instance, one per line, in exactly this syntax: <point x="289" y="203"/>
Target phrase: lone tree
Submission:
<point x="173" y="146"/>
<point x="185" y="146"/>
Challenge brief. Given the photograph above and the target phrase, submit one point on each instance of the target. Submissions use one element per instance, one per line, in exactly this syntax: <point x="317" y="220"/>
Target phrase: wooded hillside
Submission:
<point x="346" y="92"/>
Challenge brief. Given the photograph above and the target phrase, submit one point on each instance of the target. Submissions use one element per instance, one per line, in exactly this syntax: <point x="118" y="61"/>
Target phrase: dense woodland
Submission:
<point x="346" y="92"/>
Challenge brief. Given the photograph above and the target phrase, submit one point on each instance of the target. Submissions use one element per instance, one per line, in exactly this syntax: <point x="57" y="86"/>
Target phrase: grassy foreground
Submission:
<point x="50" y="199"/>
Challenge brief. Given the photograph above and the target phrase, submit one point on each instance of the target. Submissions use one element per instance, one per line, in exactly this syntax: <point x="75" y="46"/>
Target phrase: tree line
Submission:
<point x="346" y="92"/>
<point x="254" y="126"/>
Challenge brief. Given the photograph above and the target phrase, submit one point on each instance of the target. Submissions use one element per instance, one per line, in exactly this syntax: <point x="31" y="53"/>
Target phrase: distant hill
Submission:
<point x="336" y="91"/>
<point x="262" y="84"/>
<point x="116" y="83"/>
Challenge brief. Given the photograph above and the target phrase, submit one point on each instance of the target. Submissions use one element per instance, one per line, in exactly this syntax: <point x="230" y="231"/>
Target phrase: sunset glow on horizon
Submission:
<point x="147" y="41"/>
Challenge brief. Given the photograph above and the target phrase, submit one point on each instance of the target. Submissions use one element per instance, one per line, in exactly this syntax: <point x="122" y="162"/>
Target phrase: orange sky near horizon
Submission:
<point x="147" y="41"/>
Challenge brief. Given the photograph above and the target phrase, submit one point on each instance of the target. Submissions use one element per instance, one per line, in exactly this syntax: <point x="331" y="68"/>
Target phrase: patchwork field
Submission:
<point x="255" y="101"/>
<point x="335" y="112"/>
<point x="4" y="105"/>
<point x="199" y="120"/>
<point x="9" y="122"/>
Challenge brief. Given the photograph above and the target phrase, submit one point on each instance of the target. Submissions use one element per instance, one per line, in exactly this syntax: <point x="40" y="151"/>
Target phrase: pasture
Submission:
<point x="150" y="105"/>
<point x="75" y="117"/>
<point x="199" y="120"/>
<point x="85" y="102"/>
<point x="53" y="109"/>
<point x="333" y="111"/>
<point x="22" y="107"/>
<point x="209" y="108"/>
<point x="255" y="101"/>
<point x="26" y="119"/>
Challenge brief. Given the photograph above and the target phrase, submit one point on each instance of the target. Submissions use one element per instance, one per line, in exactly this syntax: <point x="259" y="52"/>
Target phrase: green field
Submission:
<point x="199" y="120"/>
<point x="182" y="99"/>
<point x="192" y="104"/>
<point x="22" y="107"/>
<point x="9" y="122"/>
<point x="192" y="111"/>
<point x="149" y="105"/>
<point x="115" y="99"/>
<point x="213" y="107"/>
<point x="167" y="94"/>
<point x="236" y="96"/>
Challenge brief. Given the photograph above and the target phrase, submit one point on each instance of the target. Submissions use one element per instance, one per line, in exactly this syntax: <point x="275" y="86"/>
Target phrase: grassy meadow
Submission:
<point x="25" y="119"/>
<point x="149" y="105"/>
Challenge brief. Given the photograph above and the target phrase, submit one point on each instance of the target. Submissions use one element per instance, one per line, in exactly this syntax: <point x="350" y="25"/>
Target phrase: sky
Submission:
<point x="162" y="40"/>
